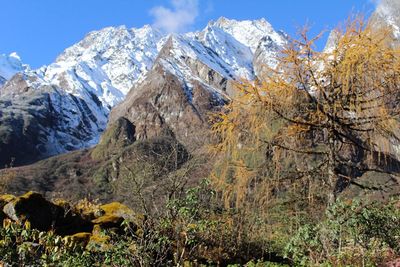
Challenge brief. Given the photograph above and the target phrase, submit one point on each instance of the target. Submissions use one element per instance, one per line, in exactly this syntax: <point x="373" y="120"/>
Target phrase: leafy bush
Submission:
<point x="21" y="246"/>
<point x="352" y="233"/>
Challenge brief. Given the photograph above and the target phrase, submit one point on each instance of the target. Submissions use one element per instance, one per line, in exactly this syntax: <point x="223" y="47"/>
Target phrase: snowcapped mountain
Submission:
<point x="387" y="13"/>
<point x="9" y="66"/>
<point x="128" y="69"/>
<point x="249" y="32"/>
<point x="106" y="62"/>
<point x="192" y="76"/>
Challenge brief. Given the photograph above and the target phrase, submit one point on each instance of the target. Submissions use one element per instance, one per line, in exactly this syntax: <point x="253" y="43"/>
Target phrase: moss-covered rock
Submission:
<point x="108" y="221"/>
<point x="33" y="207"/>
<point x="66" y="219"/>
<point x="115" y="214"/>
<point x="43" y="214"/>
<point x="88" y="210"/>
<point x="98" y="242"/>
<point x="4" y="200"/>
<point x="119" y="210"/>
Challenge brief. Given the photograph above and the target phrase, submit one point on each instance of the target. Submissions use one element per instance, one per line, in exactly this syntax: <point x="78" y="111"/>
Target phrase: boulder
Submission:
<point x="33" y="207"/>
<point x="45" y="215"/>
<point x="115" y="213"/>
<point x="67" y="220"/>
<point x="4" y="200"/>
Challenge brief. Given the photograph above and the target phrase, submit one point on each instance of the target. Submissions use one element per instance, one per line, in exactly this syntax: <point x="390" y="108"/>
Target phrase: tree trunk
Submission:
<point x="331" y="169"/>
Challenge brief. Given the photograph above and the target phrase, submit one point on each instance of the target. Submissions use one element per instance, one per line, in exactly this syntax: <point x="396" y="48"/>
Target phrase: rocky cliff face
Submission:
<point x="38" y="120"/>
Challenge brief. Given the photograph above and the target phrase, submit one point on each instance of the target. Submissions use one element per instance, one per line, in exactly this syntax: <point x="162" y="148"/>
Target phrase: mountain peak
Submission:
<point x="248" y="32"/>
<point x="15" y="55"/>
<point x="388" y="7"/>
<point x="224" y="22"/>
<point x="196" y="70"/>
<point x="10" y="65"/>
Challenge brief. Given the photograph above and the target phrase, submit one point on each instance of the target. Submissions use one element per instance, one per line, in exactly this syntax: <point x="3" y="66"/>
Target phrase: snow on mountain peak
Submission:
<point x="388" y="11"/>
<point x="10" y="65"/>
<point x="15" y="55"/>
<point x="234" y="56"/>
<point x="94" y="75"/>
<point x="107" y="62"/>
<point x="249" y="32"/>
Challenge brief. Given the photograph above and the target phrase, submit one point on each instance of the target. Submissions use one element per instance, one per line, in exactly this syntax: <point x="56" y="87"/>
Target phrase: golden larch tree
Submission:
<point x="326" y="117"/>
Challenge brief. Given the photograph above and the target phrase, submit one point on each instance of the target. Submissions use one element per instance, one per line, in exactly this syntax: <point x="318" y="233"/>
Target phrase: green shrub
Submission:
<point x="22" y="246"/>
<point x="352" y="233"/>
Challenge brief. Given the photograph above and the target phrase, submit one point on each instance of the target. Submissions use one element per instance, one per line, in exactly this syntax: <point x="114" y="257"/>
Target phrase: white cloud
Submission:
<point x="178" y="18"/>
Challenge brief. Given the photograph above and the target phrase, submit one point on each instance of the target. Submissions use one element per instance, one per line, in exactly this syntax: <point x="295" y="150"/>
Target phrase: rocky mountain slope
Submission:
<point x="193" y="74"/>
<point x="166" y="83"/>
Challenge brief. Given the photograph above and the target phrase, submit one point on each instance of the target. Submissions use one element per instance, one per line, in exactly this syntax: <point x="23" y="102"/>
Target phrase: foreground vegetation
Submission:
<point x="195" y="232"/>
<point x="298" y="176"/>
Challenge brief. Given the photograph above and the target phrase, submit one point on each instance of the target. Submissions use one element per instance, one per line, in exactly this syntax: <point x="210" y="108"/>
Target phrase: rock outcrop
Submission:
<point x="41" y="121"/>
<point x="117" y="136"/>
<point x="64" y="219"/>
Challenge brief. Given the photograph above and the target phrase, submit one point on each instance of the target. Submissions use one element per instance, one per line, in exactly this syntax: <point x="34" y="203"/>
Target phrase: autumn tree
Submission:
<point x="323" y="117"/>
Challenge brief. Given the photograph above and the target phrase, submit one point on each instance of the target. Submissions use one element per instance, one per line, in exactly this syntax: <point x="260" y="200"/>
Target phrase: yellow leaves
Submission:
<point x="363" y="57"/>
<point x="310" y="97"/>
<point x="7" y="223"/>
<point x="386" y="122"/>
<point x="294" y="130"/>
<point x="27" y="225"/>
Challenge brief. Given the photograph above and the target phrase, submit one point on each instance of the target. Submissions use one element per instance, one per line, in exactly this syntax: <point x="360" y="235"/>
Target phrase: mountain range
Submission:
<point x="160" y="82"/>
<point x="121" y="92"/>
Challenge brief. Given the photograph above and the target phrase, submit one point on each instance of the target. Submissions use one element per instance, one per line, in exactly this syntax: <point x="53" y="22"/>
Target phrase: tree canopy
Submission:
<point x="318" y="118"/>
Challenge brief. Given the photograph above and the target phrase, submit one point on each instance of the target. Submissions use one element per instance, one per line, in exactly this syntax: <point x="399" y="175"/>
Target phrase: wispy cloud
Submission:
<point x="178" y="18"/>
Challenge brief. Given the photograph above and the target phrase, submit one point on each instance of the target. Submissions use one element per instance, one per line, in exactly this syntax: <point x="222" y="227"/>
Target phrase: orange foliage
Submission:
<point x="326" y="114"/>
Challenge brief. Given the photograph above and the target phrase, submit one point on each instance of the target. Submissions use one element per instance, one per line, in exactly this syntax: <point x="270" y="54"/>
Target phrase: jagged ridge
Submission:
<point x="88" y="79"/>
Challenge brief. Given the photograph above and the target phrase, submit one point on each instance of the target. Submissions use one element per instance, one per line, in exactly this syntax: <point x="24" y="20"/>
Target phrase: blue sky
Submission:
<point x="39" y="30"/>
